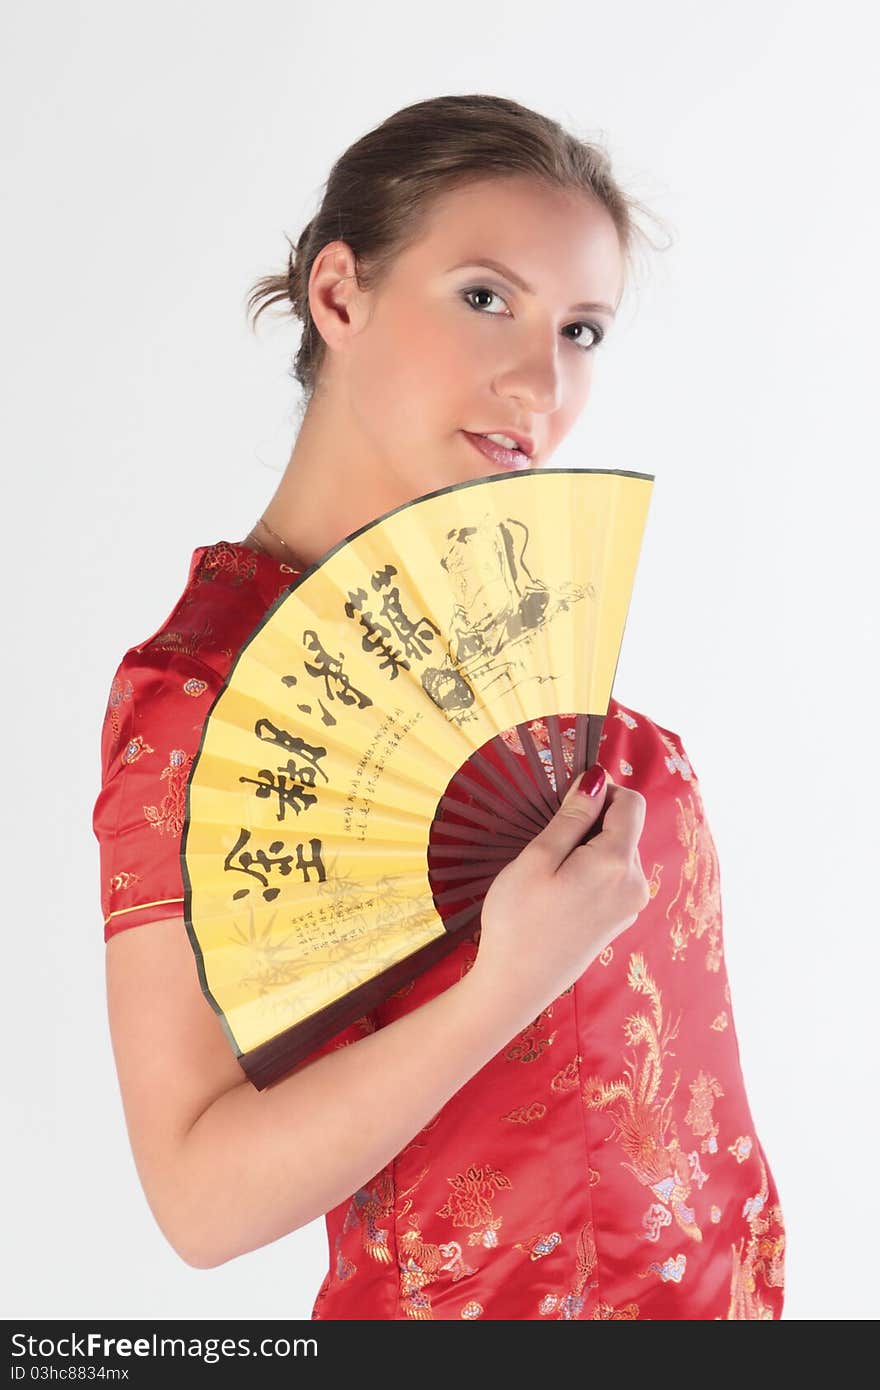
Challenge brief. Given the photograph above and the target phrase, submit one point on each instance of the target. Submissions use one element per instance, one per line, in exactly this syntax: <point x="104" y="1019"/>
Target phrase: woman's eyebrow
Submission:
<point x="520" y="283"/>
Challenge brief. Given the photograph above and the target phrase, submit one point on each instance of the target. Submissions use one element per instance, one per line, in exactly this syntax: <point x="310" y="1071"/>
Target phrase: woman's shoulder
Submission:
<point x="640" y="729"/>
<point x="162" y="685"/>
<point x="636" y="719"/>
<point x="228" y="588"/>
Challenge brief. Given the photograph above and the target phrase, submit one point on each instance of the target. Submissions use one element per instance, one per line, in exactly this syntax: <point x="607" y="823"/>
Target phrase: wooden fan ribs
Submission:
<point x="560" y="770"/>
<point x="503" y="810"/>
<point x="537" y="768"/>
<point x="495" y="835"/>
<point x="513" y="763"/>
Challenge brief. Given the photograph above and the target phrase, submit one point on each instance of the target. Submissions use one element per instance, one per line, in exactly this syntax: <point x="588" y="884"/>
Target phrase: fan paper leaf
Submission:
<point x="402" y="721"/>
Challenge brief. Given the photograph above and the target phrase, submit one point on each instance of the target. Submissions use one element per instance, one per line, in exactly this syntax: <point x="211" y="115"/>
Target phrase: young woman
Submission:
<point x="551" y="1122"/>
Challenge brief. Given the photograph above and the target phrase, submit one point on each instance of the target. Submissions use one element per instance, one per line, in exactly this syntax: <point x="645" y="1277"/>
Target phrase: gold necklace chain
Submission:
<point x="276" y="536"/>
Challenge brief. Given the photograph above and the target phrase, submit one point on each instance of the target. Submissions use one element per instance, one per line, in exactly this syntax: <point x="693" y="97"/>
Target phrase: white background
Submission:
<point x="152" y="158"/>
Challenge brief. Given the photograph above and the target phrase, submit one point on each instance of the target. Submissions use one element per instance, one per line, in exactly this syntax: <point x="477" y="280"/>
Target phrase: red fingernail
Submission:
<point x="593" y="780"/>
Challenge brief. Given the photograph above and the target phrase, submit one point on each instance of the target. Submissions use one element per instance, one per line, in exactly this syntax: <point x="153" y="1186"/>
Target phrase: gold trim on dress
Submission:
<point x="121" y="911"/>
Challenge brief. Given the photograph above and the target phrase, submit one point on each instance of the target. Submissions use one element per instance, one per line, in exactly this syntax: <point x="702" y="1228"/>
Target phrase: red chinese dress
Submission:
<point x="604" y="1164"/>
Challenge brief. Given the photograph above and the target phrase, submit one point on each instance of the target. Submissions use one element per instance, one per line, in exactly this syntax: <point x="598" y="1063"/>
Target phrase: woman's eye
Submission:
<point x="480" y="289"/>
<point x="597" y="332"/>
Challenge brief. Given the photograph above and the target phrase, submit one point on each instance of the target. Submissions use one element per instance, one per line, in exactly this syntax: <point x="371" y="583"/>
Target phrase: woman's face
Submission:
<point x="446" y="344"/>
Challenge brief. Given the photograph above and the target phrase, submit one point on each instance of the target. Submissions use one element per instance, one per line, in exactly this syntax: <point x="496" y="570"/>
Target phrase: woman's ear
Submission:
<point x="339" y="307"/>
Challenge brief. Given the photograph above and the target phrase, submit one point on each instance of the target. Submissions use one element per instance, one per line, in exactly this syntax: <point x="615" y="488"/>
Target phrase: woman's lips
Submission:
<point x="511" y="459"/>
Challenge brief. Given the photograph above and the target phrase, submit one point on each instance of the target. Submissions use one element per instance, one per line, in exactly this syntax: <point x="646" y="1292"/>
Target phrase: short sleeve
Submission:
<point x="152" y="727"/>
<point x="156" y="711"/>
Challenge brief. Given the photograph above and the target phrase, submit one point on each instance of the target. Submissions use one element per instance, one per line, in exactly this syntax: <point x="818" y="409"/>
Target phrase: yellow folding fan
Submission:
<point x="406" y="716"/>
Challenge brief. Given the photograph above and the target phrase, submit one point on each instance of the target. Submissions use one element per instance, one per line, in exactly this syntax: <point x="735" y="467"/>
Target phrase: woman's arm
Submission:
<point x="226" y="1168"/>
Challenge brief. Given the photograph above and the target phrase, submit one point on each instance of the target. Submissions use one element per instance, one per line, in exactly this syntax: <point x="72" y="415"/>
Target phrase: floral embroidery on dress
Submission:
<point x="568" y="1306"/>
<point x="566" y="1079"/>
<point x="135" y="748"/>
<point x="695" y="907"/>
<point x="626" y="718"/>
<point x="528" y="1045"/>
<point x="641" y="1119"/>
<point x="472" y="1309"/>
<point x="344" y="1267"/>
<point x="224" y="561"/>
<point x="422" y="1263"/>
<point x="526" y="1114"/>
<point x="540" y="1245"/>
<point x="654" y="879"/>
<point x="556" y="1225"/>
<point x="628" y="1313"/>
<point x="673" y="1268"/>
<point x="762" y="1259"/>
<point x="372" y="1209"/>
<point x="704" y="1092"/>
<point x="169" y="816"/>
<point x="123" y="879"/>
<point x="676" y="761"/>
<point x="120" y="693"/>
<point x="470" y="1202"/>
<point x="742" y="1149"/>
<point x="187" y="643"/>
<point x="194" y="686"/>
<point x="654" y="1219"/>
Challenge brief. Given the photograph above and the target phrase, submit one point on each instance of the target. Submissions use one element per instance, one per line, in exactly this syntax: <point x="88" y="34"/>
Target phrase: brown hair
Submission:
<point x="381" y="188"/>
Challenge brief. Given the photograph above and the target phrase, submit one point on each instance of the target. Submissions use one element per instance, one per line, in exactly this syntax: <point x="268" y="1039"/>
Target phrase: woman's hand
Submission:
<point x="558" y="904"/>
